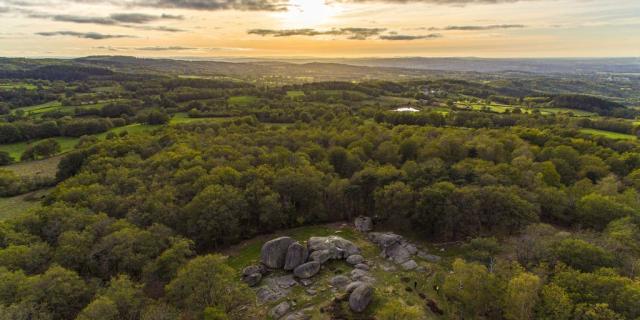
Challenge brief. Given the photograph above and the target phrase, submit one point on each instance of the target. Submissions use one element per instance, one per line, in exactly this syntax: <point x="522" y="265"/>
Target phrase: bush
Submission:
<point x="43" y="149"/>
<point x="5" y="158"/>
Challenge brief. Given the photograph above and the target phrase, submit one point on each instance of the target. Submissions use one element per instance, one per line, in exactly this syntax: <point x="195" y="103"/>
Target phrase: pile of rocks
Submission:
<point x="304" y="262"/>
<point x="397" y="249"/>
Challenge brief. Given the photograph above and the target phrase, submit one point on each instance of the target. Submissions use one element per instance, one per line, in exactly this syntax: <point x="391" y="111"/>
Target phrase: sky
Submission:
<point x="320" y="28"/>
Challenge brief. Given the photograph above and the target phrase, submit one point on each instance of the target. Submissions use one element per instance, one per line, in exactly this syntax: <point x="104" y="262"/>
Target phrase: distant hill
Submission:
<point x="546" y="66"/>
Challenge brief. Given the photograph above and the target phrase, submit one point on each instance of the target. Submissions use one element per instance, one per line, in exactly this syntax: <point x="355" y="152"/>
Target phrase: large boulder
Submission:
<point x="320" y="256"/>
<point x="363" y="224"/>
<point x="398" y="253"/>
<point x="280" y="310"/>
<point x="307" y="270"/>
<point x="355" y="259"/>
<point x="253" y="279"/>
<point x="338" y="247"/>
<point x="274" y="252"/>
<point x="339" y="281"/>
<point x="253" y="270"/>
<point x="297" y="254"/>
<point x="410" y="265"/>
<point x="385" y="240"/>
<point x="361" y="297"/>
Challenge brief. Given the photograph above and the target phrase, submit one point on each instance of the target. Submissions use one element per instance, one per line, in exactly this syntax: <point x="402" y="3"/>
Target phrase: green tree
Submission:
<point x="555" y="304"/>
<point x="521" y="296"/>
<point x="207" y="281"/>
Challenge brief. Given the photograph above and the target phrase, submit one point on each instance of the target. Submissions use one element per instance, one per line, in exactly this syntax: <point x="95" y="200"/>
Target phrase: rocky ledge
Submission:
<point x="304" y="262"/>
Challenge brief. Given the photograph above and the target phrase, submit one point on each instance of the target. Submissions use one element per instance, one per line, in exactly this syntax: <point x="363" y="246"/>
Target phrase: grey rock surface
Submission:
<point x="339" y="281"/>
<point x="280" y="310"/>
<point x="320" y="256"/>
<point x="274" y="252"/>
<point x="252" y="280"/>
<point x="297" y="254"/>
<point x="361" y="297"/>
<point x="307" y="270"/>
<point x="355" y="259"/>
<point x="363" y="224"/>
<point x="409" y="265"/>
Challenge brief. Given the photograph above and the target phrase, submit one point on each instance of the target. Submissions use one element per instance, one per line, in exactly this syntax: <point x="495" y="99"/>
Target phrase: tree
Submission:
<point x="470" y="287"/>
<point x="43" y="149"/>
<point x="214" y="215"/>
<point x="582" y="255"/>
<point x="5" y="158"/>
<point x="555" y="304"/>
<point x="123" y="299"/>
<point x="207" y="281"/>
<point x="395" y="200"/>
<point x="521" y="296"/>
<point x="62" y="291"/>
<point x="596" y="211"/>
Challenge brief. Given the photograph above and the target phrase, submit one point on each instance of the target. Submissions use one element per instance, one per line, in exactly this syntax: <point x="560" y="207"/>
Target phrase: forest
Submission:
<point x="141" y="187"/>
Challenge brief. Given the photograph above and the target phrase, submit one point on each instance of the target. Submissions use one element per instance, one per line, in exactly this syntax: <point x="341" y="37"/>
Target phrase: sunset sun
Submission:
<point x="307" y="13"/>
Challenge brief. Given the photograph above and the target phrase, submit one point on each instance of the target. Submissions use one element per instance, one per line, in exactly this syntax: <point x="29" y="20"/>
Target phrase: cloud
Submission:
<point x="141" y="17"/>
<point x="404" y="37"/>
<point x="84" y="35"/>
<point x="351" y="33"/>
<point x="244" y="5"/>
<point x="477" y="28"/>
<point x="113" y="19"/>
<point x="439" y="2"/>
<point x="172" y="48"/>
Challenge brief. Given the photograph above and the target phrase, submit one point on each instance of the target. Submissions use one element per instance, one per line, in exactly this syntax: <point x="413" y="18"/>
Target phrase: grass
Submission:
<point x="295" y="94"/>
<point x="577" y="113"/>
<point x="609" y="134"/>
<point x="45" y="168"/>
<point x="182" y="117"/>
<point x="16" y="150"/>
<point x="41" y="108"/>
<point x="13" y="206"/>
<point x="242" y="100"/>
<point x="17" y="85"/>
<point x="390" y="287"/>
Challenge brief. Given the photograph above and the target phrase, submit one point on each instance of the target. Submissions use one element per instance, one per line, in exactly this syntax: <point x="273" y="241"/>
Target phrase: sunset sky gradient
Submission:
<point x="320" y="28"/>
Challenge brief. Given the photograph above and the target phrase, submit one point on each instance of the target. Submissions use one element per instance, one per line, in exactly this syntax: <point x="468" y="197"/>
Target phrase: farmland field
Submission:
<point x="609" y="134"/>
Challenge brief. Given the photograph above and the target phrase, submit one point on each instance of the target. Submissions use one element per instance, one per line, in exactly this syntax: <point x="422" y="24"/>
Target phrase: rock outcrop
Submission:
<point x="338" y="247"/>
<point x="361" y="297"/>
<point x="363" y="224"/>
<point x="307" y="270"/>
<point x="297" y="254"/>
<point x="274" y="252"/>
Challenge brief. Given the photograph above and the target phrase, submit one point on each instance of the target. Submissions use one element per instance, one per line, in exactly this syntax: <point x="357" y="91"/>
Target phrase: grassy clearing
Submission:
<point x="41" y="108"/>
<point x="295" y="94"/>
<point x="45" y="168"/>
<point x="609" y="134"/>
<point x="17" y="85"/>
<point x="182" y="117"/>
<point x="16" y="150"/>
<point x="242" y="100"/>
<point x="13" y="206"/>
<point x="390" y="287"/>
<point x="577" y="113"/>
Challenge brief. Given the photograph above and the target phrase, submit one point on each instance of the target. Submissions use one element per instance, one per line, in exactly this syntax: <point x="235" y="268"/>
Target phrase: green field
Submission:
<point x="182" y="117"/>
<point x="609" y="134"/>
<point x="10" y="207"/>
<point x="295" y="94"/>
<point x="16" y="150"/>
<point x="575" y="112"/>
<point x="242" y="100"/>
<point x="17" y="85"/>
